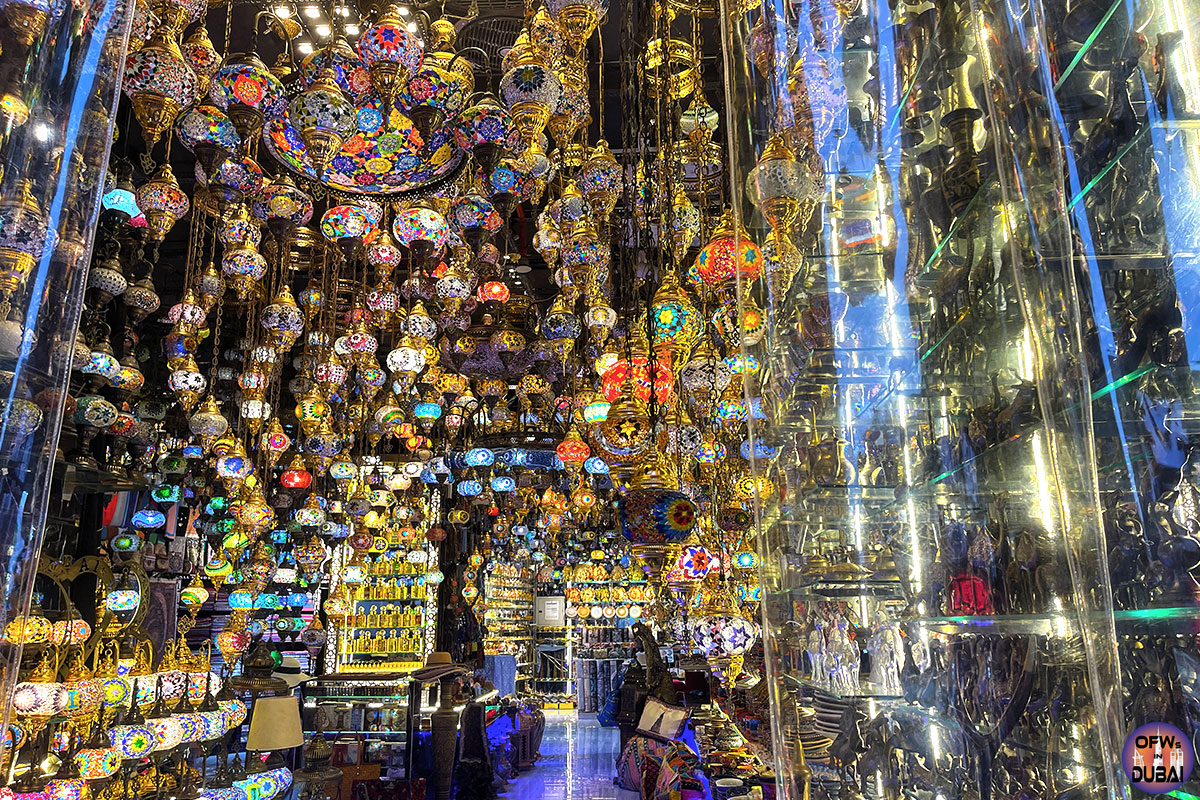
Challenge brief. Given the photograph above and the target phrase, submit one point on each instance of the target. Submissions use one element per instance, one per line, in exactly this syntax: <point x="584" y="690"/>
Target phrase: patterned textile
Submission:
<point x="629" y="764"/>
<point x="662" y="719"/>
<point x="679" y="775"/>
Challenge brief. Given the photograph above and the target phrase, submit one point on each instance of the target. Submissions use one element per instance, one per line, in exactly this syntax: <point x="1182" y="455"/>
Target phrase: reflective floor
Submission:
<point x="578" y="762"/>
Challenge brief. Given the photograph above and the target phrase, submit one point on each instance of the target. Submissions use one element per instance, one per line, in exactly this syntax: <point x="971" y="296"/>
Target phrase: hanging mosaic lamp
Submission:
<point x="348" y="226"/>
<point x="248" y="92"/>
<point x="723" y="633"/>
<point x="561" y="326"/>
<point x="187" y="382"/>
<point x="121" y="199"/>
<point x="346" y="66"/>
<point x="654" y="514"/>
<point x="283" y="320"/>
<point x="778" y="184"/>
<point x="163" y="202"/>
<point x="730" y="255"/>
<point x="391" y="54"/>
<point x="202" y="57"/>
<point x="573" y="451"/>
<point x="548" y="240"/>
<point x="676" y="324"/>
<point x="274" y="441"/>
<point x="296" y="476"/>
<point x="422" y="230"/>
<point x="208" y="422"/>
<point x="209" y="134"/>
<point x="238" y="179"/>
<point x="530" y="90"/>
<point x="486" y="128"/>
<point x="141" y="299"/>
<point x="23" y="231"/>
<point x="600" y="178"/>
<point x="283" y="206"/>
<point x="571" y="111"/>
<point x="475" y="218"/>
<point x="430" y="97"/>
<point x="684" y="224"/>
<point x="159" y="83"/>
<point x="625" y="435"/>
<point x="244" y="267"/>
<point x="325" y="118"/>
<point x="600" y="318"/>
<point x="578" y="18"/>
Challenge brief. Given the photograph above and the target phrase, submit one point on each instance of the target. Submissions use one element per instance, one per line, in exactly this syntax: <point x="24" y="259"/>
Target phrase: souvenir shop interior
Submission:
<point x="599" y="399"/>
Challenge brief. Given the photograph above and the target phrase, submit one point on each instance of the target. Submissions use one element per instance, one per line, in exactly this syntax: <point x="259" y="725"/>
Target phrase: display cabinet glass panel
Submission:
<point x="1126" y="97"/>
<point x="936" y="584"/>
<point x="59" y="78"/>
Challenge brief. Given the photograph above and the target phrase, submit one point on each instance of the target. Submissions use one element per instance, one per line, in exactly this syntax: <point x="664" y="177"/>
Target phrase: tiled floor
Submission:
<point x="578" y="762"/>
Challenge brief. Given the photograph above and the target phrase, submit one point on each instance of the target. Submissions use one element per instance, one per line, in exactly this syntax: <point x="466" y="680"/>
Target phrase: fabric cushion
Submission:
<point x="662" y="720"/>
<point x="679" y="774"/>
<point x="629" y="764"/>
<point x="651" y="766"/>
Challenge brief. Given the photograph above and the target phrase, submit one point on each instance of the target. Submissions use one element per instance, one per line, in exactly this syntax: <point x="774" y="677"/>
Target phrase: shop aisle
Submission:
<point x="578" y="762"/>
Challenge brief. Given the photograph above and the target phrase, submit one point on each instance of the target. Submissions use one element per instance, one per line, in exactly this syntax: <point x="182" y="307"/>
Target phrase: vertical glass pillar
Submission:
<point x="60" y="75"/>
<point x="935" y="576"/>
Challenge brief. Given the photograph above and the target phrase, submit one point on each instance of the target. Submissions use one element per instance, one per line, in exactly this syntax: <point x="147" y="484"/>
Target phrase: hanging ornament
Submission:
<point x="391" y="54"/>
<point x="159" y="83"/>
<point x="163" y="202"/>
<point x="578" y="18"/>
<point x="23" y="232"/>
<point x="531" y="91"/>
<point x="325" y="118"/>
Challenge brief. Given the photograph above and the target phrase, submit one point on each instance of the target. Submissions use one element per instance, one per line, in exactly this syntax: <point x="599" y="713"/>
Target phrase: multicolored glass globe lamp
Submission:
<point x="202" y="57"/>
<point x="349" y="227"/>
<point x="238" y="178"/>
<point x="159" y="83"/>
<point x="676" y="324"/>
<point x="390" y="53"/>
<point x="730" y="255"/>
<point x="530" y="90"/>
<point x="653" y="514"/>
<point x="208" y="133"/>
<point x="422" y="230"/>
<point x="573" y="450"/>
<point x="601" y="179"/>
<point x="246" y="90"/>
<point x="163" y="202"/>
<point x="325" y="118"/>
<point x="283" y="206"/>
<point x="486" y="128"/>
<point x="431" y="96"/>
<point x="187" y="382"/>
<point x="343" y="62"/>
<point x="475" y="218"/>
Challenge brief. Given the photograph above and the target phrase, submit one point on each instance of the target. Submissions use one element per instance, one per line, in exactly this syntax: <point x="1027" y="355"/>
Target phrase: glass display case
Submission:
<point x="957" y="307"/>
<point x="393" y="606"/>
<point x="508" y="621"/>
<point x="58" y="94"/>
<point x="1126" y="101"/>
<point x="373" y="709"/>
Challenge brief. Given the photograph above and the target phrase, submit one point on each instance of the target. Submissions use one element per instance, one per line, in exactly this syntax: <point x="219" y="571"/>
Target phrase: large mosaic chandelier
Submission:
<point x="427" y="295"/>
